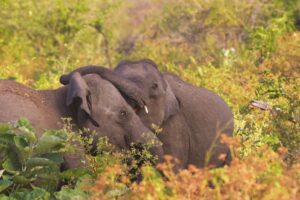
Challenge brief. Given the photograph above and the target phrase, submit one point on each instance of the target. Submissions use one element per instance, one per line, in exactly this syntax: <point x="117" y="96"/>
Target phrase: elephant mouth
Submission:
<point x="137" y="109"/>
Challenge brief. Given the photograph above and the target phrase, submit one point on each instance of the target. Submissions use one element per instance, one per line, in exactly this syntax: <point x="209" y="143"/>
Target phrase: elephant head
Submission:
<point x="99" y="106"/>
<point x="142" y="85"/>
<point x="161" y="101"/>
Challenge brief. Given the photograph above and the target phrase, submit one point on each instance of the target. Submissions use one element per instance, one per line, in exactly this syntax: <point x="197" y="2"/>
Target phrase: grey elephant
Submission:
<point x="90" y="101"/>
<point x="191" y="118"/>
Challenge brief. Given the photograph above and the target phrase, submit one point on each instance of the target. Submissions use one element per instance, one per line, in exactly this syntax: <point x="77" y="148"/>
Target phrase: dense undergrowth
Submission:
<point x="242" y="50"/>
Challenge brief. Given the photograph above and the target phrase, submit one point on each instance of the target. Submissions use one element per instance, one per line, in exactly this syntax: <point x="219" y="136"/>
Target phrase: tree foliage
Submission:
<point x="242" y="50"/>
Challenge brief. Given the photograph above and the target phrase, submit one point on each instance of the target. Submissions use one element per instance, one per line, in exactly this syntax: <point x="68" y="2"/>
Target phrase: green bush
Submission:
<point x="242" y="50"/>
<point x="27" y="160"/>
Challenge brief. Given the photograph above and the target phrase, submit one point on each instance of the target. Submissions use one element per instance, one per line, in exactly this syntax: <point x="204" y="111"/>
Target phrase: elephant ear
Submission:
<point x="172" y="103"/>
<point x="80" y="95"/>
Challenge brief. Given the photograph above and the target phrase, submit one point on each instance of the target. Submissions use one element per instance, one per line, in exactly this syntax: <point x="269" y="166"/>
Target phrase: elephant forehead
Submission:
<point x="130" y="70"/>
<point x="104" y="91"/>
<point x="140" y="68"/>
<point x="111" y="98"/>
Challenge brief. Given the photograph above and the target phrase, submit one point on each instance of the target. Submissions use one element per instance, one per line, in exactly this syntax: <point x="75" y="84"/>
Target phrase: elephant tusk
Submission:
<point x="146" y="109"/>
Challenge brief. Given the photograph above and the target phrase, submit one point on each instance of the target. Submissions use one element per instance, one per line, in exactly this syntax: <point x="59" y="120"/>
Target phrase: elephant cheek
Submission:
<point x="158" y="111"/>
<point x="154" y="116"/>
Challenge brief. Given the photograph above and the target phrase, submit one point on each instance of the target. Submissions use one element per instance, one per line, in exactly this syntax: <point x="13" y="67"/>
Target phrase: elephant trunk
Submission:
<point x="155" y="144"/>
<point x="145" y="136"/>
<point x="134" y="95"/>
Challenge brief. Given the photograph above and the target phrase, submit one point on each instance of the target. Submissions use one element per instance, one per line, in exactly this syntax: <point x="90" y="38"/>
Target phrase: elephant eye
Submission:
<point x="123" y="114"/>
<point x="154" y="86"/>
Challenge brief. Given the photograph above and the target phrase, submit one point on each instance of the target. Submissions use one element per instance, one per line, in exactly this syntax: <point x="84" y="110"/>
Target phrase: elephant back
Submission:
<point x="18" y="101"/>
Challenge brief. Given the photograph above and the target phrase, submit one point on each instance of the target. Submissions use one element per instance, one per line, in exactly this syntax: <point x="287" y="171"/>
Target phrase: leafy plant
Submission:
<point x="285" y="114"/>
<point x="28" y="161"/>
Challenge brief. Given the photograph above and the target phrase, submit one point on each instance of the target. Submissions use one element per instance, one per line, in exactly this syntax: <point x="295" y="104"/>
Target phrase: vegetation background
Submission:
<point x="242" y="50"/>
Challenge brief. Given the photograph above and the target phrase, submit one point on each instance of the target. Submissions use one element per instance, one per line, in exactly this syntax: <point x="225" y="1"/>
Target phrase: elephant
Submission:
<point x="191" y="118"/>
<point x="90" y="101"/>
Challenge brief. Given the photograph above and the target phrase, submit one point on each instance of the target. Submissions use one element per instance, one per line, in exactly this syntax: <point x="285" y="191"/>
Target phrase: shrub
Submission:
<point x="30" y="165"/>
<point x="254" y="176"/>
<point x="27" y="160"/>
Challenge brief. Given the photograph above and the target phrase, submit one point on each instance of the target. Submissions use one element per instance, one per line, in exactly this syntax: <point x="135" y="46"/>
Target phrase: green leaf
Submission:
<point x="48" y="181"/>
<point x="20" y="142"/>
<point x="12" y="164"/>
<point x="22" y="180"/>
<point x="58" y="133"/>
<point x="7" y="138"/>
<point x="55" y="157"/>
<point x="4" y="128"/>
<point x="22" y="151"/>
<point x="5" y="184"/>
<point x="23" y="122"/>
<point x="69" y="194"/>
<point x="28" y="134"/>
<point x="3" y="197"/>
<point x="35" y="194"/>
<point x="271" y="139"/>
<point x="48" y="143"/>
<point x="71" y="173"/>
<point x="38" y="161"/>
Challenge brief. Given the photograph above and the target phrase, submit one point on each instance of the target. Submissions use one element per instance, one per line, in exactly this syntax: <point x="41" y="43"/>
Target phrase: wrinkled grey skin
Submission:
<point x="90" y="101"/>
<point x="192" y="118"/>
